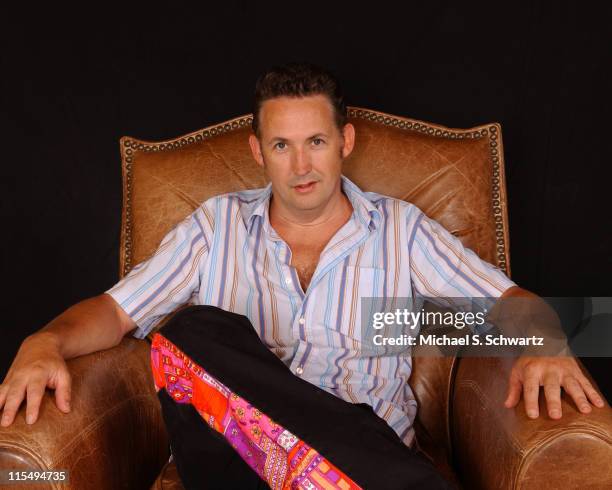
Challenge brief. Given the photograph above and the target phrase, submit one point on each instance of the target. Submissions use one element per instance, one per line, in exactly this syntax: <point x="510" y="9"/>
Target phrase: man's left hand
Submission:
<point x="552" y="373"/>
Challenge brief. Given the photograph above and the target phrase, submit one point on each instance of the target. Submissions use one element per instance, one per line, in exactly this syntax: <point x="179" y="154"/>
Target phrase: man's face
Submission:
<point x="301" y="150"/>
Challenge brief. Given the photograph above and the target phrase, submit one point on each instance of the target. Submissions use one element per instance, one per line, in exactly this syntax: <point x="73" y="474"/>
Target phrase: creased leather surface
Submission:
<point x="168" y="185"/>
<point x="168" y="478"/>
<point x="450" y="180"/>
<point x="499" y="448"/>
<point x="114" y="436"/>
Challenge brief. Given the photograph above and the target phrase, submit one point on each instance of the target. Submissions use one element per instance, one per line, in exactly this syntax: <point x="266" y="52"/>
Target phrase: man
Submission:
<point x="292" y="260"/>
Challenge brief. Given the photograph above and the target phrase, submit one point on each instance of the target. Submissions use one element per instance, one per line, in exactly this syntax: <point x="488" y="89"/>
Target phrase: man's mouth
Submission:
<point x="303" y="188"/>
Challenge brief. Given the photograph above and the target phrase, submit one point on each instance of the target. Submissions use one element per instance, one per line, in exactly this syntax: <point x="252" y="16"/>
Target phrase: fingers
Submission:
<point x="591" y="392"/>
<point x="35" y="391"/>
<point x="552" y="392"/>
<point x="552" y="374"/>
<point x="531" y="388"/>
<point x="514" y="391"/>
<point x="63" y="391"/>
<point x="3" y="392"/>
<point x="13" y="400"/>
<point x="574" y="389"/>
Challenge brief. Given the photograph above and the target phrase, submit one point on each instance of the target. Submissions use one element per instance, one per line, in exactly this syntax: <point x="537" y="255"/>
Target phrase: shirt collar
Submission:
<point x="364" y="210"/>
<point x="256" y="205"/>
<point x="363" y="207"/>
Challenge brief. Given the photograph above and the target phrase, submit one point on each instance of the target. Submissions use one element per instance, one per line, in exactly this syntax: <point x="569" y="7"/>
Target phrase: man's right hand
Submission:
<point x="37" y="365"/>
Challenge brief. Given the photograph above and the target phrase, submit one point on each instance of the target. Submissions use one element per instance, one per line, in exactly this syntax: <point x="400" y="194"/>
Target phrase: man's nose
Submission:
<point x="301" y="163"/>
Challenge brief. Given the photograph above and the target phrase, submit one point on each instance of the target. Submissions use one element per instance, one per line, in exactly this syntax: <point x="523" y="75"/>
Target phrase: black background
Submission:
<point x="71" y="89"/>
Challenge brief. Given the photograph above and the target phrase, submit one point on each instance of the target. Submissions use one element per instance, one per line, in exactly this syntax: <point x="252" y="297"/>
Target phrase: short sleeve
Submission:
<point x="442" y="267"/>
<point x="168" y="278"/>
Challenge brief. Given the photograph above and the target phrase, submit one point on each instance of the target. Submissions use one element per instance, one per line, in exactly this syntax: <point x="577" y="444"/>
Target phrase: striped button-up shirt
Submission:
<point x="227" y="254"/>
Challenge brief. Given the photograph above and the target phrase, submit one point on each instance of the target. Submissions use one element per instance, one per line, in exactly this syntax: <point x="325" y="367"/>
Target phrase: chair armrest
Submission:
<point x="113" y="437"/>
<point x="496" y="447"/>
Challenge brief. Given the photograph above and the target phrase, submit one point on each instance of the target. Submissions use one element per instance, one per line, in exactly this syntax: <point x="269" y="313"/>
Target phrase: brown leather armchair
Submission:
<point x="115" y="438"/>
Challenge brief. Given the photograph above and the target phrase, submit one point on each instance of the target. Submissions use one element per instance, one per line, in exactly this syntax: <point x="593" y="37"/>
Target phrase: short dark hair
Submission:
<point x="298" y="80"/>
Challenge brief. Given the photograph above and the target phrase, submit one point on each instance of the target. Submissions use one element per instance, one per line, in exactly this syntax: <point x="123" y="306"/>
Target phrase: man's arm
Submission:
<point x="552" y="373"/>
<point x="91" y="325"/>
<point x="442" y="267"/>
<point x="152" y="289"/>
<point x="88" y="326"/>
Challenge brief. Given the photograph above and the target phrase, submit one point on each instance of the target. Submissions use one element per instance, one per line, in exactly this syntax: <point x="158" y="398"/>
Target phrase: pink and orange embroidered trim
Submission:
<point x="275" y="454"/>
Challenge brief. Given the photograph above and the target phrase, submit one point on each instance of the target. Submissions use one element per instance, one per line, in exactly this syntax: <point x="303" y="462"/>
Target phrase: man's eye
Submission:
<point x="278" y="145"/>
<point x="317" y="141"/>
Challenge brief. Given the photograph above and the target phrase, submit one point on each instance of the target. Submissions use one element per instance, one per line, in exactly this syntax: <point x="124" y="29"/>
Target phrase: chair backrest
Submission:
<point x="456" y="176"/>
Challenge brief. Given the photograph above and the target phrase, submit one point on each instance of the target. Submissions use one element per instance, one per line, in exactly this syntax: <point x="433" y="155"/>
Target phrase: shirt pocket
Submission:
<point x="338" y="305"/>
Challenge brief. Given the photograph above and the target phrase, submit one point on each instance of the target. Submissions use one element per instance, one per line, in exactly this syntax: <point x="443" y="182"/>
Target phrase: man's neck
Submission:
<point x="337" y="211"/>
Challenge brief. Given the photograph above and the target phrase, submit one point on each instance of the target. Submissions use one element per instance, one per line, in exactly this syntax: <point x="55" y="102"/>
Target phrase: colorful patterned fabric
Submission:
<point x="273" y="452"/>
<point x="226" y="254"/>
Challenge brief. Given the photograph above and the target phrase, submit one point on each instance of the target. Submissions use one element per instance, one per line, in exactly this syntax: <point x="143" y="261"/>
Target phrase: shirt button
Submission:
<point x="299" y="370"/>
<point x="302" y="321"/>
<point x="288" y="280"/>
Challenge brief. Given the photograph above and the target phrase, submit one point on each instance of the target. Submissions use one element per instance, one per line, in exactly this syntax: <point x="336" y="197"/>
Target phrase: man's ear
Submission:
<point x="256" y="149"/>
<point x="348" y="132"/>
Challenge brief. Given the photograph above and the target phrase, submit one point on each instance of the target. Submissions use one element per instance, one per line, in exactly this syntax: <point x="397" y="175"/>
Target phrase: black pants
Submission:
<point x="351" y="436"/>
